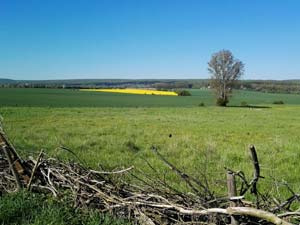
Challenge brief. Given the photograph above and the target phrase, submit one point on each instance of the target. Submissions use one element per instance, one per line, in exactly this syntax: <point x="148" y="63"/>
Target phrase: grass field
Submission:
<point x="204" y="139"/>
<point x="75" y="98"/>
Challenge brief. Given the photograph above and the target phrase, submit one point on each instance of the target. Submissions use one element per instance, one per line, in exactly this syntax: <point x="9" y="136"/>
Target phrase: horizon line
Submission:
<point x="3" y="78"/>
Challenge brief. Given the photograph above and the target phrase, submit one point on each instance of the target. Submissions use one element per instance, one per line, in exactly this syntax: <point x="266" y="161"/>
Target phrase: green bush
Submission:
<point x="280" y="102"/>
<point x="244" y="104"/>
<point x="183" y="93"/>
<point x="222" y="102"/>
<point x="201" y="104"/>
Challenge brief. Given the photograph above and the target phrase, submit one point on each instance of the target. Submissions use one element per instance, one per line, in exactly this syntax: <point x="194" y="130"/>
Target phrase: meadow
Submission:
<point x="117" y="131"/>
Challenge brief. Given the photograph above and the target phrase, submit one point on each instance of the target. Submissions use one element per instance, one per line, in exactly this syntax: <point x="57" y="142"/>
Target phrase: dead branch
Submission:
<point x="256" y="175"/>
<point x="112" y="172"/>
<point x="245" y="211"/>
<point x="34" y="169"/>
<point x="188" y="179"/>
<point x="285" y="203"/>
<point x="12" y="168"/>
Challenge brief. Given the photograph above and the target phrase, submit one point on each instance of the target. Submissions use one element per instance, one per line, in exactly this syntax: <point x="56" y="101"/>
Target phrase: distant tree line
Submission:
<point x="272" y="86"/>
<point x="156" y="84"/>
<point x="289" y="87"/>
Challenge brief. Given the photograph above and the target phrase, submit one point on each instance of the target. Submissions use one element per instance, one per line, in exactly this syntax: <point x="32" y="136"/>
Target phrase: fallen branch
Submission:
<point x="12" y="168"/>
<point x="185" y="177"/>
<point x="34" y="169"/>
<point x="245" y="211"/>
<point x="112" y="172"/>
<point x="256" y="176"/>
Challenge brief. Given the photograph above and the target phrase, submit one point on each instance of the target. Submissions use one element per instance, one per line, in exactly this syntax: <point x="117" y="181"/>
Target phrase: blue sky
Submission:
<point x="61" y="39"/>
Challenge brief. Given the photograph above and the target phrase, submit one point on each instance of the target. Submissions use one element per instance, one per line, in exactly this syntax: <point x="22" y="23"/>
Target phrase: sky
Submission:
<point x="146" y="39"/>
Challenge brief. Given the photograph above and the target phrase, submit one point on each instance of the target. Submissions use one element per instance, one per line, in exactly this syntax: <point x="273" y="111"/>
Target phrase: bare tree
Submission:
<point x="225" y="70"/>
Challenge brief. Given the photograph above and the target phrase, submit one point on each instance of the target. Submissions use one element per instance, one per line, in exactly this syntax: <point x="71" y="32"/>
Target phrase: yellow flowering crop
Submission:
<point x="134" y="91"/>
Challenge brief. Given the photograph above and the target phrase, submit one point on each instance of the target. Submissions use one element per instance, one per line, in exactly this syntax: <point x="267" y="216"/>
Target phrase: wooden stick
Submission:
<point x="256" y="169"/>
<point x="238" y="211"/>
<point x="231" y="186"/>
<point x="287" y="214"/>
<point x="184" y="176"/>
<point x="113" y="172"/>
<point x="12" y="167"/>
<point x="256" y="175"/>
<point x="34" y="169"/>
<point x="5" y="142"/>
<point x="246" y="211"/>
<point x="285" y="203"/>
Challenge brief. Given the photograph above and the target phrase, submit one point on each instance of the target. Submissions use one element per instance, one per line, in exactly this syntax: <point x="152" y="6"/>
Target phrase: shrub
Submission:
<point x="222" y="102"/>
<point x="244" y="104"/>
<point x="201" y="104"/>
<point x="280" y="102"/>
<point x="183" y="93"/>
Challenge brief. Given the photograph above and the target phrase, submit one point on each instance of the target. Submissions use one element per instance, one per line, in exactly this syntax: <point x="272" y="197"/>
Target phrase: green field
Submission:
<point x="75" y="98"/>
<point x="204" y="139"/>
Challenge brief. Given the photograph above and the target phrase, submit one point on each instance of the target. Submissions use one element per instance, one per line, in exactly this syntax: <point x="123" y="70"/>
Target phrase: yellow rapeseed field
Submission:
<point x="134" y="91"/>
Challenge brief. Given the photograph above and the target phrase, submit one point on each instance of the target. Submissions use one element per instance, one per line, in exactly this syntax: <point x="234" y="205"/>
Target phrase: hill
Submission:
<point x="6" y="81"/>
